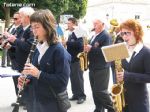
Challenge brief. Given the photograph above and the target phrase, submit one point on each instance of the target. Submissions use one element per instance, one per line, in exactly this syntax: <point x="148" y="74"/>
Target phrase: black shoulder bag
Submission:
<point x="62" y="99"/>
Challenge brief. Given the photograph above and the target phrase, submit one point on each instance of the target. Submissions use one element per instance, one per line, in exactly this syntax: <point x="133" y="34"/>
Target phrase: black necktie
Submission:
<point x="91" y="40"/>
<point x="133" y="55"/>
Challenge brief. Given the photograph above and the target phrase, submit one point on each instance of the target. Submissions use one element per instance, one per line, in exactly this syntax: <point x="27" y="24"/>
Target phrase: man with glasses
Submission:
<point x="8" y="50"/>
<point x="11" y="30"/>
<point x="15" y="29"/>
<point x="23" y="41"/>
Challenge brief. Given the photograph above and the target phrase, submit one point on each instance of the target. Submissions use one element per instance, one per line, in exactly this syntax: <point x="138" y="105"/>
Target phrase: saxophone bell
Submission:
<point x="83" y="60"/>
<point x="83" y="56"/>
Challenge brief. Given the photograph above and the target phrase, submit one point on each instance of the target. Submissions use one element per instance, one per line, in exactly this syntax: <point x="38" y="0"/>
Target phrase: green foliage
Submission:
<point x="4" y="4"/>
<point x="77" y="8"/>
<point x="58" y="7"/>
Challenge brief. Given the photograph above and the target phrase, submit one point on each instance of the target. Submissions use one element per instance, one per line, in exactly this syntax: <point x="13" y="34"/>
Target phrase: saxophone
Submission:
<point x="83" y="57"/>
<point x="117" y="91"/>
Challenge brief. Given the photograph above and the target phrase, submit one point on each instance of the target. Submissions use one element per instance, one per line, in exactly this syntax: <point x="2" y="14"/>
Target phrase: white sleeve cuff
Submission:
<point x="38" y="75"/>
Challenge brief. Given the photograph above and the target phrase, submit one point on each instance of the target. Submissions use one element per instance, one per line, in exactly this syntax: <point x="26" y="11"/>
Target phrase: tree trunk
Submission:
<point x="7" y="16"/>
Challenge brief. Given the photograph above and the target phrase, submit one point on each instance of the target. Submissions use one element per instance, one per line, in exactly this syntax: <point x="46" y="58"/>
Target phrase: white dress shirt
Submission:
<point x="95" y="36"/>
<point x="42" y="48"/>
<point x="24" y="28"/>
<point x="137" y="49"/>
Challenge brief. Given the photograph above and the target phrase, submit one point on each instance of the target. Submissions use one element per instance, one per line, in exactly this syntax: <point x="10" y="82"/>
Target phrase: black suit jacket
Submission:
<point x="18" y="33"/>
<point x="22" y="47"/>
<point x="74" y="46"/>
<point x="96" y="58"/>
<point x="137" y="74"/>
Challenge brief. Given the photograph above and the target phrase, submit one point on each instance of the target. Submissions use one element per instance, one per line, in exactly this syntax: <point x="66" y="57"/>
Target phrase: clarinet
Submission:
<point x="20" y="92"/>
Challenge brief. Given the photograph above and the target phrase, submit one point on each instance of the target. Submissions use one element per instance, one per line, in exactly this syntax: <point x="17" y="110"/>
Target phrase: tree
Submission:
<point x="77" y="8"/>
<point x="58" y="7"/>
<point x="8" y="7"/>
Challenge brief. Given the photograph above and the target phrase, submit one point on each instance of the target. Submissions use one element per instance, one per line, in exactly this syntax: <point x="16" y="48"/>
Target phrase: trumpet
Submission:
<point x="20" y="92"/>
<point x="83" y="56"/>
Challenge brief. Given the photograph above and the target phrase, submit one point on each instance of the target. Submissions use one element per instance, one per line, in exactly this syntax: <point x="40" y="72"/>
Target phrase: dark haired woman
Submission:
<point x="51" y="65"/>
<point x="136" y="68"/>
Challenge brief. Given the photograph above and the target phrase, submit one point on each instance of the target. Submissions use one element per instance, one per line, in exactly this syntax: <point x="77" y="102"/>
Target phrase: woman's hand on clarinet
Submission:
<point x="30" y="69"/>
<point x="120" y="76"/>
<point x="21" y="82"/>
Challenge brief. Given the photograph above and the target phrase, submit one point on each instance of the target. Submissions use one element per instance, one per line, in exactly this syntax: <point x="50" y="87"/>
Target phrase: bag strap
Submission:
<point x="53" y="92"/>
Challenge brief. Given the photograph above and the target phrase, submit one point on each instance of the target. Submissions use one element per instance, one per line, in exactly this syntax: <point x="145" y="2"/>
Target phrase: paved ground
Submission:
<point x="7" y="94"/>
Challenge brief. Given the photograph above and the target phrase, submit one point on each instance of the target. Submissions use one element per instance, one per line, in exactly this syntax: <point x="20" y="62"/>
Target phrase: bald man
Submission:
<point x="98" y="68"/>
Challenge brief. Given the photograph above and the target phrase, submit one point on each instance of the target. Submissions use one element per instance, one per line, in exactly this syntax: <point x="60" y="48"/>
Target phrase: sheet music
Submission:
<point x="115" y="52"/>
<point x="79" y="32"/>
<point x="8" y="72"/>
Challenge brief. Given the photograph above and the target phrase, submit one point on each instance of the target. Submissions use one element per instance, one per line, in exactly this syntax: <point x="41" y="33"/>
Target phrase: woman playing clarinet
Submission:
<point x="50" y="65"/>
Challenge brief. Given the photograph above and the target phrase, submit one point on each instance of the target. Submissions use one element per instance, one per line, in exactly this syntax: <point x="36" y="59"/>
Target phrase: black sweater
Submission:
<point x="96" y="58"/>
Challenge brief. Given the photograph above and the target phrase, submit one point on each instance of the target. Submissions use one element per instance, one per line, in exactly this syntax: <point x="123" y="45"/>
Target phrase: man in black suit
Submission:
<point x="15" y="29"/>
<point x="98" y="68"/>
<point x="75" y="46"/>
<point x="23" y="41"/>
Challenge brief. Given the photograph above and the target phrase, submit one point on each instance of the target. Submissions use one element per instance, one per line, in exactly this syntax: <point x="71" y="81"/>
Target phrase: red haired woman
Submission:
<point x="136" y="68"/>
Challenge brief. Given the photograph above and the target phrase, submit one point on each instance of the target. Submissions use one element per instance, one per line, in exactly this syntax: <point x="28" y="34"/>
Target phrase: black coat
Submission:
<point x="96" y="58"/>
<point x="74" y="46"/>
<point x="22" y="47"/>
<point x="137" y="74"/>
<point x="18" y="33"/>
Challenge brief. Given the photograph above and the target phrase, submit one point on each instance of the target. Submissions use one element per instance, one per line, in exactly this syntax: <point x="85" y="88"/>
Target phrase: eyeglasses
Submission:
<point x="15" y="18"/>
<point x="35" y="27"/>
<point x="125" y="33"/>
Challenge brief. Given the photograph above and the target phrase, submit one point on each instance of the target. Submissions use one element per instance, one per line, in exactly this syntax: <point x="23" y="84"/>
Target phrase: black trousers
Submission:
<point x="77" y="81"/>
<point x="15" y="78"/>
<point x="5" y="58"/>
<point x="99" y="80"/>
